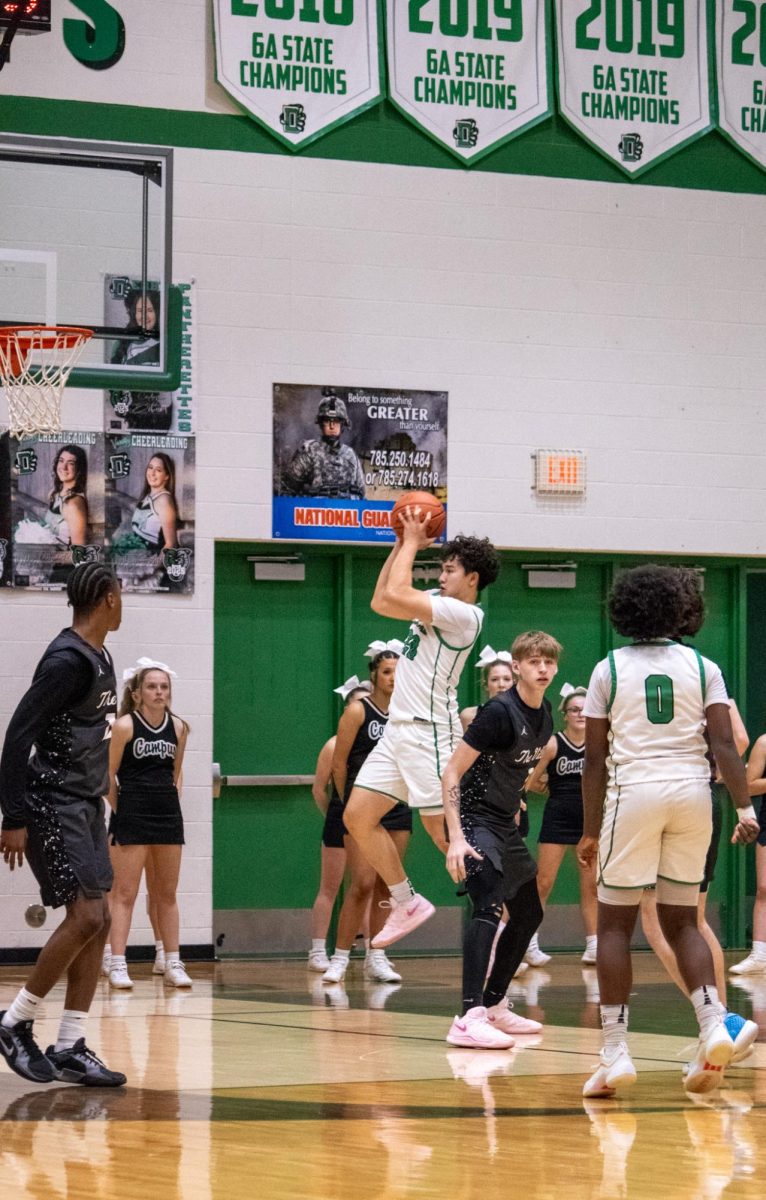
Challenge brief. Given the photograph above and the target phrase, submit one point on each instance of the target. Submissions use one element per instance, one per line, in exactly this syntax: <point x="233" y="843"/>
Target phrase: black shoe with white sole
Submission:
<point x="22" y="1053"/>
<point x="81" y="1065"/>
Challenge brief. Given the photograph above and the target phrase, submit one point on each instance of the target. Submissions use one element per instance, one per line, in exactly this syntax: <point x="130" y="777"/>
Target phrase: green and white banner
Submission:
<point x="633" y="75"/>
<point x="300" y="67"/>
<point x="740" y="39"/>
<point x="470" y="73"/>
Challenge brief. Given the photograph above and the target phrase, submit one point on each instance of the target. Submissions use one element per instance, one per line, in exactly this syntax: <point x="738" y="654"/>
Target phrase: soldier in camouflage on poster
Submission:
<point x="324" y="466"/>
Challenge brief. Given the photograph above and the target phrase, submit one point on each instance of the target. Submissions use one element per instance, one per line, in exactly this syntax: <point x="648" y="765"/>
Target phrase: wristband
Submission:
<point x="745" y="814"/>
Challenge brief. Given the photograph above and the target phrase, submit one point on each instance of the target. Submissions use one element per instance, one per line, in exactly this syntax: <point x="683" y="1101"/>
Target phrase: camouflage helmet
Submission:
<point x="332" y="408"/>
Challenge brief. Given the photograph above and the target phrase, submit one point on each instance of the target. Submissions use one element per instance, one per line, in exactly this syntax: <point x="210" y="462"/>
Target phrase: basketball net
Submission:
<point x="35" y="364"/>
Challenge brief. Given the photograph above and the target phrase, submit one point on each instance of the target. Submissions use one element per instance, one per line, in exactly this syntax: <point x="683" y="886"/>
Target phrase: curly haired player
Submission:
<point x="650" y="822"/>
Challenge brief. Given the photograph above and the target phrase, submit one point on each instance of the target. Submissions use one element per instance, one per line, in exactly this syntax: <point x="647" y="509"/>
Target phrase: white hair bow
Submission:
<point x="395" y="646"/>
<point x="566" y="690"/>
<point x="348" y="686"/>
<point x="489" y="656"/>
<point x="146" y="664"/>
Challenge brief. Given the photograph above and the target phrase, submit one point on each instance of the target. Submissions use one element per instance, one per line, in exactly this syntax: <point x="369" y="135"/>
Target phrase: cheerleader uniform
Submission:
<point x="148" y="809"/>
<point x="563" y="815"/>
<point x="369" y="734"/>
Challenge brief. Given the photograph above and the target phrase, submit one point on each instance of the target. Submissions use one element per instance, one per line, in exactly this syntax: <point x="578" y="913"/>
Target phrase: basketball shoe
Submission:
<point x="78" y="1064"/>
<point x="475" y="1031"/>
<point x="402" y="920"/>
<point x="615" y="1070"/>
<point x="22" y="1053"/>
<point x="502" y="1018"/>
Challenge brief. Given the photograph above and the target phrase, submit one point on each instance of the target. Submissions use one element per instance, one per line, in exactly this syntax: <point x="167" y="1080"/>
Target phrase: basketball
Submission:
<point x="426" y="502"/>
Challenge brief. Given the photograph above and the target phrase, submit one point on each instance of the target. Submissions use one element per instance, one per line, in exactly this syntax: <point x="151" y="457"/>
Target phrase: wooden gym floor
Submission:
<point x="262" y="1082"/>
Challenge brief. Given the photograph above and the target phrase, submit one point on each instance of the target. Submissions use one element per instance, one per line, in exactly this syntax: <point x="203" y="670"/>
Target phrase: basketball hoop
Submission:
<point x="35" y="363"/>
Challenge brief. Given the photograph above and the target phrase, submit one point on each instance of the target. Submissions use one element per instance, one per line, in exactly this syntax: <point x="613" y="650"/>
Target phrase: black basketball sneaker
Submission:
<point x="22" y="1053"/>
<point x="81" y="1065"/>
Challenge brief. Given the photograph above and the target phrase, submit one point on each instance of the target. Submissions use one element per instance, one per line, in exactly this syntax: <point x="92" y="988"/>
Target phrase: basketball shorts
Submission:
<point x="67" y="848"/>
<point x="407" y="763"/>
<point x="655" y="830"/>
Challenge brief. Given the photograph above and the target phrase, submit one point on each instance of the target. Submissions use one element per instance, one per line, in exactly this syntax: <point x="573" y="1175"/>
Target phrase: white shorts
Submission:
<point x="655" y="830"/>
<point x="407" y="763"/>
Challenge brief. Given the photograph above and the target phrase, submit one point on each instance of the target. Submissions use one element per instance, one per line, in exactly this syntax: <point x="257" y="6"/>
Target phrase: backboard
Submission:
<point x="86" y="240"/>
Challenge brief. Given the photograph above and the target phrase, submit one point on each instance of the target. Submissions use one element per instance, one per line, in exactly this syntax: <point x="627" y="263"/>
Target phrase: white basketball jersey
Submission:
<point x="655" y="695"/>
<point x="433" y="657"/>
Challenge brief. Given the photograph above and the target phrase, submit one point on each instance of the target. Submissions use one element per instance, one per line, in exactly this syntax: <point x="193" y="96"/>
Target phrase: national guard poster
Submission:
<point x="740" y="41"/>
<point x="344" y="455"/>
<point x="633" y="76"/>
<point x="471" y="74"/>
<point x="300" y="67"/>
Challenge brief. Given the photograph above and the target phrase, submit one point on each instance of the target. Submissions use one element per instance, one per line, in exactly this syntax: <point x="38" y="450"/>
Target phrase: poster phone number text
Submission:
<point x="401" y="468"/>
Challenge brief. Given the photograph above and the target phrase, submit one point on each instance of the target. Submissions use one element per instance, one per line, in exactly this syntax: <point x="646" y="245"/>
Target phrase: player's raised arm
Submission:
<point x="394" y="595"/>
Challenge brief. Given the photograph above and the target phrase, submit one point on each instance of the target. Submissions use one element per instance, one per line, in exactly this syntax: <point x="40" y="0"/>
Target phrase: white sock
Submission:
<point x="107" y="951"/>
<point x="590" y="941"/>
<point x="614" y="1023"/>
<point x="71" y="1029"/>
<point x="402" y="893"/>
<point x="759" y="949"/>
<point x="341" y="955"/>
<point x="159" y="948"/>
<point x="23" y="1008"/>
<point x="172" y="957"/>
<point x="533" y="943"/>
<point x="707" y="1007"/>
<point x="319" y="945"/>
<point x="118" y="960"/>
<point x="378" y="955"/>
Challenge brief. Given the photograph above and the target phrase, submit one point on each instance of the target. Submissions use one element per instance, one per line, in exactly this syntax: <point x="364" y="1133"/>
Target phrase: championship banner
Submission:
<point x="150" y="487"/>
<point x="633" y="75"/>
<point x="300" y="67"/>
<point x="56" y="507"/>
<point x="344" y="456"/>
<point x="472" y="74"/>
<point x="740" y="38"/>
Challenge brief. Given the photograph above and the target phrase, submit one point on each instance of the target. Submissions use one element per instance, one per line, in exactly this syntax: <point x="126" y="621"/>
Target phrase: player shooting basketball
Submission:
<point x="424" y="724"/>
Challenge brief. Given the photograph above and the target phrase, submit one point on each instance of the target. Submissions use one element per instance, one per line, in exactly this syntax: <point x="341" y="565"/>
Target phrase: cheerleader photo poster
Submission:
<point x="57" y="506"/>
<point x="150" y="495"/>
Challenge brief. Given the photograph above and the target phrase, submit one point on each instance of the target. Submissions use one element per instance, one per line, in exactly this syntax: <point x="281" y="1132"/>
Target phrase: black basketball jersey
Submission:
<point x="527" y="735"/>
<point x="565" y="772"/>
<point x="149" y="758"/>
<point x="71" y="756"/>
<point x="369" y="734"/>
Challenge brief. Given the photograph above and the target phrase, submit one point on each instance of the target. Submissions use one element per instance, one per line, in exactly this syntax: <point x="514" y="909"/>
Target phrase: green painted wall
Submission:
<point x="381" y="135"/>
<point x="280" y="649"/>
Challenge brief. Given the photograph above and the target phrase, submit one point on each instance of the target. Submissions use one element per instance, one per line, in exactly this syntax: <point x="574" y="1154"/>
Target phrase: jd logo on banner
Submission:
<point x="633" y="75"/>
<point x="470" y="73"/>
<point x="740" y="41"/>
<point x="300" y="67"/>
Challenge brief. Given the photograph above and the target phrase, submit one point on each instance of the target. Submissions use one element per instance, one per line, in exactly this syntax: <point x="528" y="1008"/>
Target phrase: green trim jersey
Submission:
<point x="654" y="695"/>
<point x="432" y="660"/>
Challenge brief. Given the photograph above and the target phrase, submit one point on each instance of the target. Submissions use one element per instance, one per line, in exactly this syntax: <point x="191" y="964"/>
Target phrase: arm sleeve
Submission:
<point x="459" y="622"/>
<point x="490" y="729"/>
<point x="715" y="687"/>
<point x="60" y="681"/>
<point x="597" y="698"/>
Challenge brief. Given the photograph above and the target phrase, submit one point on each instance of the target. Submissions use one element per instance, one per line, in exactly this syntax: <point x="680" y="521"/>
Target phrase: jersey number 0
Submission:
<point x="659" y="699"/>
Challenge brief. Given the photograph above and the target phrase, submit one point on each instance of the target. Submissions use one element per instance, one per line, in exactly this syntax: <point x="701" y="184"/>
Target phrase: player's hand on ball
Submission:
<point x="746" y="830"/>
<point x="415" y="527"/>
<point x="457" y="853"/>
<point x="13" y="843"/>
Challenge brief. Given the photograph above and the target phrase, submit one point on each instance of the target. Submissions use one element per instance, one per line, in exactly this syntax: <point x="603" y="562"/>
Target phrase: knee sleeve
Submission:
<point x="683" y="894"/>
<point x="621" y="897"/>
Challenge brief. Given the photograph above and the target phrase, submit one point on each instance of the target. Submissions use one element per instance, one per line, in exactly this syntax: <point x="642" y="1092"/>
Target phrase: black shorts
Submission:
<point x="562" y="824"/>
<point x="147" y="819"/>
<point x="715" y="838"/>
<point x="508" y="854"/>
<point x="762" y="820"/>
<point x="334" y="831"/>
<point x="66" y="847"/>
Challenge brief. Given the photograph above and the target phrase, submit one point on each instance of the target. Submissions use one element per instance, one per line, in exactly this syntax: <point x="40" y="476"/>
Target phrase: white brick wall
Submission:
<point x="627" y="321"/>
